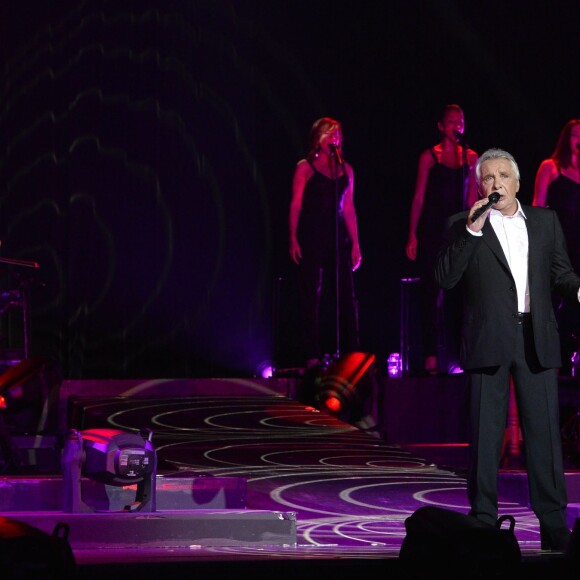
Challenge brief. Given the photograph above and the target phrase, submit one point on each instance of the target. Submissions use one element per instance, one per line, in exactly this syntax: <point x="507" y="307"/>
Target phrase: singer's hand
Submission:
<point x="481" y="210"/>
<point x="477" y="224"/>
<point x="412" y="248"/>
<point x="356" y="258"/>
<point x="295" y="252"/>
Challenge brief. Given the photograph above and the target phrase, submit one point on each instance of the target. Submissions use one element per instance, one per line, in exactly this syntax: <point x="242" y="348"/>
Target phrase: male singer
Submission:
<point x="509" y="259"/>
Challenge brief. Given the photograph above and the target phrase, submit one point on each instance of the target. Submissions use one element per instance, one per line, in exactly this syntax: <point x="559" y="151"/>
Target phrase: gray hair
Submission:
<point x="496" y="154"/>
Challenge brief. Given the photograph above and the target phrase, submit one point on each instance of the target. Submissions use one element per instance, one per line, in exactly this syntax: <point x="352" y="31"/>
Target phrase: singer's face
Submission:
<point x="331" y="137"/>
<point x="499" y="175"/>
<point x="453" y="124"/>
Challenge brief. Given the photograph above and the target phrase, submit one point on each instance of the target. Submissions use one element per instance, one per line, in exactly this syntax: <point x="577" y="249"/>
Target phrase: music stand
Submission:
<point x="20" y="296"/>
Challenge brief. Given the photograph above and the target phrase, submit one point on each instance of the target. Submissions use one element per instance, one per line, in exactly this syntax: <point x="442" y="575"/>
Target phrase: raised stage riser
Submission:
<point x="169" y="528"/>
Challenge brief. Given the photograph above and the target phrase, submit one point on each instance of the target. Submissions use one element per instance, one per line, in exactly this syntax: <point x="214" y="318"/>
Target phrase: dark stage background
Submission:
<point x="147" y="152"/>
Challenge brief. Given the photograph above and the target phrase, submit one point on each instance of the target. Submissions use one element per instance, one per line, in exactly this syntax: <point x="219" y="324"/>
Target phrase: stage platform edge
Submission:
<point x="167" y="529"/>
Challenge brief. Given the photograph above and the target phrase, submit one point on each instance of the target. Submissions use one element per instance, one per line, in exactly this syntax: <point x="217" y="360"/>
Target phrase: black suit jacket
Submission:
<point x="489" y="290"/>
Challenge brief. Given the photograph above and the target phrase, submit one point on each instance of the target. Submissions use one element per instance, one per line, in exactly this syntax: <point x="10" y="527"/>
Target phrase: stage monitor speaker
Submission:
<point x="573" y="551"/>
<point x="28" y="552"/>
<point x="459" y="543"/>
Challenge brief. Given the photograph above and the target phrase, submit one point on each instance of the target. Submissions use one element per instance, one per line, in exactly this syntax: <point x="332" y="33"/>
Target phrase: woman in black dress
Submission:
<point x="445" y="185"/>
<point x="323" y="233"/>
<point x="557" y="186"/>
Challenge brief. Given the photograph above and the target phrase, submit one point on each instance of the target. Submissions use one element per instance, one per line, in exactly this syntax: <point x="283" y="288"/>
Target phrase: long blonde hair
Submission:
<point x="318" y="129"/>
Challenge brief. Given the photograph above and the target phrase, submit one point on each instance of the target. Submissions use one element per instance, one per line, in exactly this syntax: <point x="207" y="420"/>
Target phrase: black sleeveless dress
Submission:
<point x="563" y="196"/>
<point x="321" y="207"/>
<point x="440" y="315"/>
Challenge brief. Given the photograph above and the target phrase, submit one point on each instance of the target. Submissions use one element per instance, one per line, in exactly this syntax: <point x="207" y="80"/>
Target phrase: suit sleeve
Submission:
<point x="455" y="253"/>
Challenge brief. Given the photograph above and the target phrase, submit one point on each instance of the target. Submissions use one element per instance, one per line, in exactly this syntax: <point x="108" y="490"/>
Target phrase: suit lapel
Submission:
<point x="534" y="235"/>
<point x="493" y="243"/>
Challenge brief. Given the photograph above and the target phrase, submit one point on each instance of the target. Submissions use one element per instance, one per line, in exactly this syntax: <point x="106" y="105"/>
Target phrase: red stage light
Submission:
<point x="338" y="385"/>
<point x="333" y="404"/>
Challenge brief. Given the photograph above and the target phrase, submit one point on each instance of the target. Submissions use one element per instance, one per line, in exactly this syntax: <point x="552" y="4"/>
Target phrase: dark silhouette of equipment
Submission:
<point x="461" y="544"/>
<point x="28" y="406"/>
<point x="28" y="552"/>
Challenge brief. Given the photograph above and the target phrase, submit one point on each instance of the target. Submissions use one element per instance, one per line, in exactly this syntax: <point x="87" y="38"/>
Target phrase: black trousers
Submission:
<point x="536" y="391"/>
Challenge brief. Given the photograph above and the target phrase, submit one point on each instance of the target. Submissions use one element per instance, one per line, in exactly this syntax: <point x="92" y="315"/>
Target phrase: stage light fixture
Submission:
<point x="337" y="389"/>
<point x="17" y="389"/>
<point x="110" y="457"/>
<point x="394" y="366"/>
<point x="265" y="369"/>
<point x="454" y="368"/>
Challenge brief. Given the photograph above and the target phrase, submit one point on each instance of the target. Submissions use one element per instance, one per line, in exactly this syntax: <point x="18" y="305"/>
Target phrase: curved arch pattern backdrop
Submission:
<point x="130" y="174"/>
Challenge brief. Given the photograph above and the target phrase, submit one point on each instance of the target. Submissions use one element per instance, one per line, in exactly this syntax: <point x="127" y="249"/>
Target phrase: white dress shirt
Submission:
<point x="512" y="233"/>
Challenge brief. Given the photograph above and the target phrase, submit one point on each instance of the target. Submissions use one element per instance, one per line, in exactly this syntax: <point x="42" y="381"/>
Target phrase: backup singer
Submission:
<point x="557" y="186"/>
<point x="445" y="184"/>
<point x="322" y="201"/>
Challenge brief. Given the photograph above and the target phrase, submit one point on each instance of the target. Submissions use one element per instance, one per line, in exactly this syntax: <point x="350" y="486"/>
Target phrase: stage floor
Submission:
<point x="349" y="491"/>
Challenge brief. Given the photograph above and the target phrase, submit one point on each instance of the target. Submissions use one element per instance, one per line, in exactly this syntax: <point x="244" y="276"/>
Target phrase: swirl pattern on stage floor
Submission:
<point x="349" y="490"/>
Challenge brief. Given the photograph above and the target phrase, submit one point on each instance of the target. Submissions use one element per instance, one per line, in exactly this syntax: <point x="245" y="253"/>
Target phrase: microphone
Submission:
<point x="492" y="198"/>
<point x="336" y="153"/>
